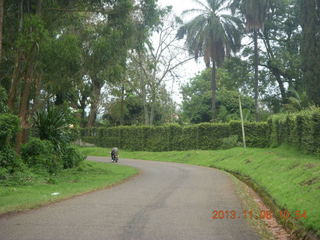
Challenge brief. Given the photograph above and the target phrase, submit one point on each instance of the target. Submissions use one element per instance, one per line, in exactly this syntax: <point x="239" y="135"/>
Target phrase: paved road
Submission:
<point x="167" y="201"/>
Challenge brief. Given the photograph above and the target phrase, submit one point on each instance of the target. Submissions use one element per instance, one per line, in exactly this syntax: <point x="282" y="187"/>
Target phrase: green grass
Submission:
<point x="291" y="178"/>
<point x="88" y="177"/>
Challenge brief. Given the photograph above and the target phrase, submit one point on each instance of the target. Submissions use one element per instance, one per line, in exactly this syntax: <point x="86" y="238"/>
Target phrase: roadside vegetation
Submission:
<point x="48" y="167"/>
<point x="33" y="188"/>
<point x="289" y="177"/>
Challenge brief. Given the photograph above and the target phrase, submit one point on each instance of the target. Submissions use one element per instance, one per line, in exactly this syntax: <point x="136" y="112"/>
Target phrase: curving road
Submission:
<point x="167" y="201"/>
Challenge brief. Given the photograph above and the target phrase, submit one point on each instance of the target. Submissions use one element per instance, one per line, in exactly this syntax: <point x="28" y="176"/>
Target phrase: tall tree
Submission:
<point x="156" y="64"/>
<point x="1" y="25"/>
<point x="281" y="37"/>
<point x="213" y="34"/>
<point x="255" y="14"/>
<point x="310" y="47"/>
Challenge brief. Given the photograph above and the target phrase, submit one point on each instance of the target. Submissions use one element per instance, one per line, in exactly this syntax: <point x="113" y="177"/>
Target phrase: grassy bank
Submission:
<point x="42" y="189"/>
<point x="291" y="178"/>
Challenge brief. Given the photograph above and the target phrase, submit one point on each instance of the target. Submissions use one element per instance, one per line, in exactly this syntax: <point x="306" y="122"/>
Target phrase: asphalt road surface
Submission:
<point x="168" y="201"/>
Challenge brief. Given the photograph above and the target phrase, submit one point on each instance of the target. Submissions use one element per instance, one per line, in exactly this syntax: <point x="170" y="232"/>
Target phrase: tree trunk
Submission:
<point x="144" y="99"/>
<point x="152" y="112"/>
<point x="24" y="103"/>
<point x="1" y="26"/>
<point x="256" y="72"/>
<point x="23" y="113"/>
<point x="283" y="92"/>
<point x="146" y="113"/>
<point x="274" y="69"/>
<point x="83" y="106"/>
<point x="213" y="91"/>
<point x="122" y="106"/>
<point x="95" y="99"/>
<point x="14" y="84"/>
<point x="282" y="88"/>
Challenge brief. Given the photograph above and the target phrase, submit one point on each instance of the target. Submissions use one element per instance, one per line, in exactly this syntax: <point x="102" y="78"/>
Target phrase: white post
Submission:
<point x="242" y="124"/>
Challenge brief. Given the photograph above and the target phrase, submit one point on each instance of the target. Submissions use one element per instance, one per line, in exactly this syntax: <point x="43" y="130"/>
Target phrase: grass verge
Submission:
<point x="42" y="189"/>
<point x="288" y="179"/>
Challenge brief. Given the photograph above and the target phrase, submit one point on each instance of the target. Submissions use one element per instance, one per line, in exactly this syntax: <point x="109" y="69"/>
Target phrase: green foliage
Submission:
<point x="210" y="135"/>
<point x="3" y="100"/>
<point x="257" y="134"/>
<point x="228" y="106"/>
<point x="203" y="136"/>
<point x="300" y="130"/>
<point x="234" y="74"/>
<point x="9" y="161"/>
<point x="71" y="157"/>
<point x="41" y="154"/>
<point x="32" y="34"/>
<point x="54" y="124"/>
<point x="230" y="142"/>
<point x="196" y="103"/>
<point x="9" y="126"/>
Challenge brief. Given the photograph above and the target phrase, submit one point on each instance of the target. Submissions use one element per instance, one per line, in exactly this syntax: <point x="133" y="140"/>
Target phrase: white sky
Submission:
<point x="190" y="69"/>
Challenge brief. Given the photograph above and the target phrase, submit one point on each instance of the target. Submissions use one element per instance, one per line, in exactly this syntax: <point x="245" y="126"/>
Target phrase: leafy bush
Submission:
<point x="3" y="100"/>
<point x="71" y="157"/>
<point x="52" y="125"/>
<point x="9" y="126"/>
<point x="41" y="154"/>
<point x="9" y="160"/>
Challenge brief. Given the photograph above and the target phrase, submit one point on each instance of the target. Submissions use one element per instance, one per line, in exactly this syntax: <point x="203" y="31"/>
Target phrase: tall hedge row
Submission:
<point x="174" y="137"/>
<point x="301" y="130"/>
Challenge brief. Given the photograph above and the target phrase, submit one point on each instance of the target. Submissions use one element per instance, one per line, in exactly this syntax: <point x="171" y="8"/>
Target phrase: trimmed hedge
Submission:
<point x="203" y="136"/>
<point x="301" y="130"/>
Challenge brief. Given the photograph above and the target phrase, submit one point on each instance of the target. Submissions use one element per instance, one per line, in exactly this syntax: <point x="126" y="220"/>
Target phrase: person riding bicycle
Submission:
<point x="115" y="154"/>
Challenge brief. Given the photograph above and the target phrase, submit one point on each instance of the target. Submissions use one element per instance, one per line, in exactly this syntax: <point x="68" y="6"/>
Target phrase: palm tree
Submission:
<point x="213" y="34"/>
<point x="255" y="12"/>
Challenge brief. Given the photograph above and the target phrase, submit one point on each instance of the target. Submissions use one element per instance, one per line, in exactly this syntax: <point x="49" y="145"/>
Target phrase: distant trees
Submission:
<point x="64" y="53"/>
<point x="196" y="103"/>
<point x="110" y="62"/>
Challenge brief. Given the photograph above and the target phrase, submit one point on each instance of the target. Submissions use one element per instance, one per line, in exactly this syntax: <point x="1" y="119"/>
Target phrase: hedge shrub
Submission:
<point x="175" y="137"/>
<point x="71" y="157"/>
<point x="301" y="130"/>
<point x="41" y="154"/>
<point x="9" y="160"/>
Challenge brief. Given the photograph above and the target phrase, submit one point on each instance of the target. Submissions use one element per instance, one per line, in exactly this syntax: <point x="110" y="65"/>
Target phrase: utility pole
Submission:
<point x="242" y="124"/>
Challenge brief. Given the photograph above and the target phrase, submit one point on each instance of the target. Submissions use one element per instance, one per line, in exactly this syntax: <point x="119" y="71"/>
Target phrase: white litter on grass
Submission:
<point x="55" y="194"/>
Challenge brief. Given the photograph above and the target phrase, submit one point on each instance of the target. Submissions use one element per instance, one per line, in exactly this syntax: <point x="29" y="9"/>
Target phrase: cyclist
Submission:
<point x="115" y="154"/>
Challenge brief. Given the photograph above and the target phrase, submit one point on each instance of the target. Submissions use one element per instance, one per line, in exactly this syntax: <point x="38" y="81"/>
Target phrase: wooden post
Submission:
<point x="242" y="124"/>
